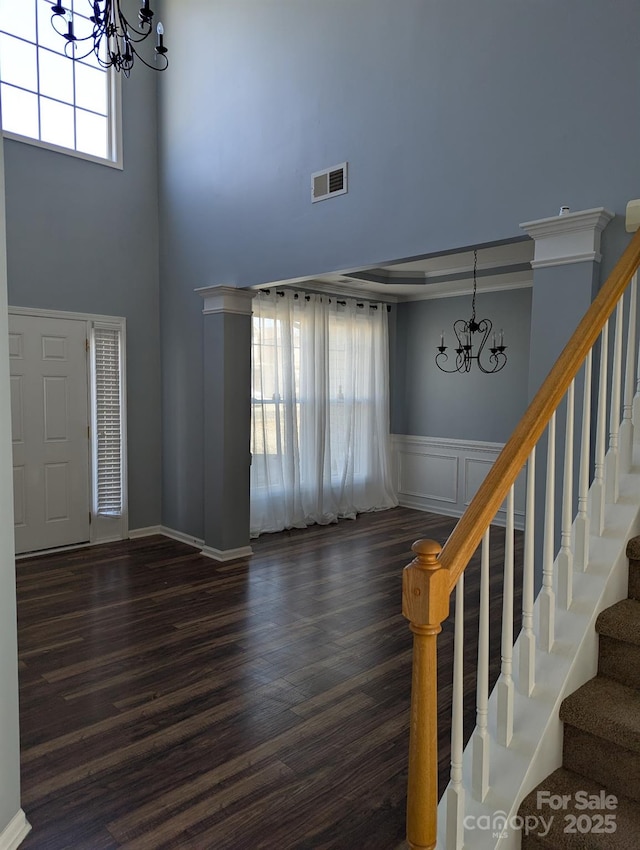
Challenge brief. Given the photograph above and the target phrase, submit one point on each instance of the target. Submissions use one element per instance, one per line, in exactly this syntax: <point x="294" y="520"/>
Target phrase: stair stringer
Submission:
<point x="536" y="748"/>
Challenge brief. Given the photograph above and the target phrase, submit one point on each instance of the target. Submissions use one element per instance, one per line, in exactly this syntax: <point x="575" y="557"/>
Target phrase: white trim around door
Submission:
<point x="113" y="524"/>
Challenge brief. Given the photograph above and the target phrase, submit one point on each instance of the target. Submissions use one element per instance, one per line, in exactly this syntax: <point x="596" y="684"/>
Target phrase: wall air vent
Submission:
<point x="329" y="182"/>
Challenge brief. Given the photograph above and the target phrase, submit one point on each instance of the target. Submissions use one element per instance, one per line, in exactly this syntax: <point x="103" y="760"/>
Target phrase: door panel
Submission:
<point x="49" y="410"/>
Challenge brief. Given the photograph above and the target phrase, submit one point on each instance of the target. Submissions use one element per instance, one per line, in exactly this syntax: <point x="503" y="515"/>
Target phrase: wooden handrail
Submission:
<point x="467" y="534"/>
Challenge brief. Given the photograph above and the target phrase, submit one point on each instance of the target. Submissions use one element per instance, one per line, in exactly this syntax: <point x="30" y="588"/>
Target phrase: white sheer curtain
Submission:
<point x="320" y="411"/>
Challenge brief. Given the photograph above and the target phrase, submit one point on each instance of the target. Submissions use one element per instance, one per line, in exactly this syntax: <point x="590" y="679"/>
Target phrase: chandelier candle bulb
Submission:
<point x="160" y="31"/>
<point x="501" y="337"/>
<point x="441" y="339"/>
<point x="69" y="18"/>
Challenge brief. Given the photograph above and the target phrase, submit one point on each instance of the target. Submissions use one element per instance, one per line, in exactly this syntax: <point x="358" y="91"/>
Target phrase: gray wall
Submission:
<point x="459" y="120"/>
<point x="84" y="237"/>
<point x="427" y="402"/>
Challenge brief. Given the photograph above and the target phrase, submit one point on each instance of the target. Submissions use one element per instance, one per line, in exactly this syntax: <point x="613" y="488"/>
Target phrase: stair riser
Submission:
<point x="616" y="769"/>
<point x="634" y="580"/>
<point x="619" y="661"/>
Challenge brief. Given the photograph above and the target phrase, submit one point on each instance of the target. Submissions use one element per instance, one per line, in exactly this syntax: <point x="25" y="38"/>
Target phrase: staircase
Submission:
<point x="577" y="452"/>
<point x="601" y="749"/>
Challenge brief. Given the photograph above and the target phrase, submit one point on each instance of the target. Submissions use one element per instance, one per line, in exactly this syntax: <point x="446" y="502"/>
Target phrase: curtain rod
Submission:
<point x="281" y="293"/>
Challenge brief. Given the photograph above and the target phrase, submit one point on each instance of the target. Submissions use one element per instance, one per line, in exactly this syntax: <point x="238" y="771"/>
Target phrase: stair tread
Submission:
<point x="621" y="621"/>
<point x="607" y="709"/>
<point x="626" y="816"/>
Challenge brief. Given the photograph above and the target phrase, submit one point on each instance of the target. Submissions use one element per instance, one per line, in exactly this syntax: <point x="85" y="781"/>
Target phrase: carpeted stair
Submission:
<point x="601" y="751"/>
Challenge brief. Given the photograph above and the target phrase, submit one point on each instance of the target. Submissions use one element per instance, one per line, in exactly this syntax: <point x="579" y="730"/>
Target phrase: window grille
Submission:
<point x="69" y="105"/>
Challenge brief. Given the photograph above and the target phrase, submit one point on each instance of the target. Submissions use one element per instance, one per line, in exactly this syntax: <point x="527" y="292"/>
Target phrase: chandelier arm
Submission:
<point x="500" y="361"/>
<point x="153" y="67"/>
<point x="120" y="36"/>
<point x="462" y="332"/>
<point x="462" y="364"/>
<point x="484" y="327"/>
<point x="124" y="26"/>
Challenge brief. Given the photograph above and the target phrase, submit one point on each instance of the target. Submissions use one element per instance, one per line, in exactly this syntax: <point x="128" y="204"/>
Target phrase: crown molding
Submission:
<point x="437" y="291"/>
<point x="226" y="299"/>
<point x="341" y="290"/>
<point x="570" y="238"/>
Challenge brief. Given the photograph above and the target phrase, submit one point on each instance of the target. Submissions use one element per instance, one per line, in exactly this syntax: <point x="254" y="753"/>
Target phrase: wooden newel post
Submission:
<point x="425" y="603"/>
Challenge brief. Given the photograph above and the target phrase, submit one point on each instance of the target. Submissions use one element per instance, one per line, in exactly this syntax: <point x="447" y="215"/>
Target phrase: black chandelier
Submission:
<point x="111" y="38"/>
<point x="472" y="336"/>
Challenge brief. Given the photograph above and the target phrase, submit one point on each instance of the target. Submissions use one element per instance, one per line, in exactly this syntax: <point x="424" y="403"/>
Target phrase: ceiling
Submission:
<point x="506" y="266"/>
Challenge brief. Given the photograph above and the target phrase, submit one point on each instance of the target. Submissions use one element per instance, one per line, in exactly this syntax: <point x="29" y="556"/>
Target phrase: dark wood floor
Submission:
<point x="168" y="701"/>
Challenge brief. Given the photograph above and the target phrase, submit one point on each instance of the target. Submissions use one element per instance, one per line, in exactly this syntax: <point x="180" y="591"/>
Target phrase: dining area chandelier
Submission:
<point x="471" y="341"/>
<point x="106" y="32"/>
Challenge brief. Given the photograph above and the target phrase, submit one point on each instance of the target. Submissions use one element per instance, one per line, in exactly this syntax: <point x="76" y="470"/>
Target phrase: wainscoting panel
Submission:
<point x="426" y="475"/>
<point x="442" y="475"/>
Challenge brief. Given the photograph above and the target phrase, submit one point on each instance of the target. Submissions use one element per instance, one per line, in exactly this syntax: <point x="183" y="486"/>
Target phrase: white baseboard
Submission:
<point x="227" y="554"/>
<point x="182" y="538"/>
<point x="150" y="530"/>
<point x="135" y="533"/>
<point x="208" y="551"/>
<point x="15" y="832"/>
<point x="442" y="475"/>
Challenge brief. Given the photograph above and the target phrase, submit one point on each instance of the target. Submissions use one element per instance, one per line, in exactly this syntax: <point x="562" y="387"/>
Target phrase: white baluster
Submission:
<point x="565" y="556"/>
<point x="526" y="679"/>
<point x="626" y="428"/>
<point x="611" y="476"/>
<point x="582" y="527"/>
<point x="635" y="414"/>
<point x="480" y="770"/>
<point x="505" y="682"/>
<point x="547" y="596"/>
<point x="597" y="488"/>
<point x="455" y="792"/>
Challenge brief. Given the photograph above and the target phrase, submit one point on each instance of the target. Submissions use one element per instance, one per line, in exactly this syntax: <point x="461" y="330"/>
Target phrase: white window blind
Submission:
<point x="108" y="421"/>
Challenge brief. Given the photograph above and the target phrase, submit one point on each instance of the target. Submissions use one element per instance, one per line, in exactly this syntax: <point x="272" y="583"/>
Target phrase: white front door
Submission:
<point x="50" y="427"/>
